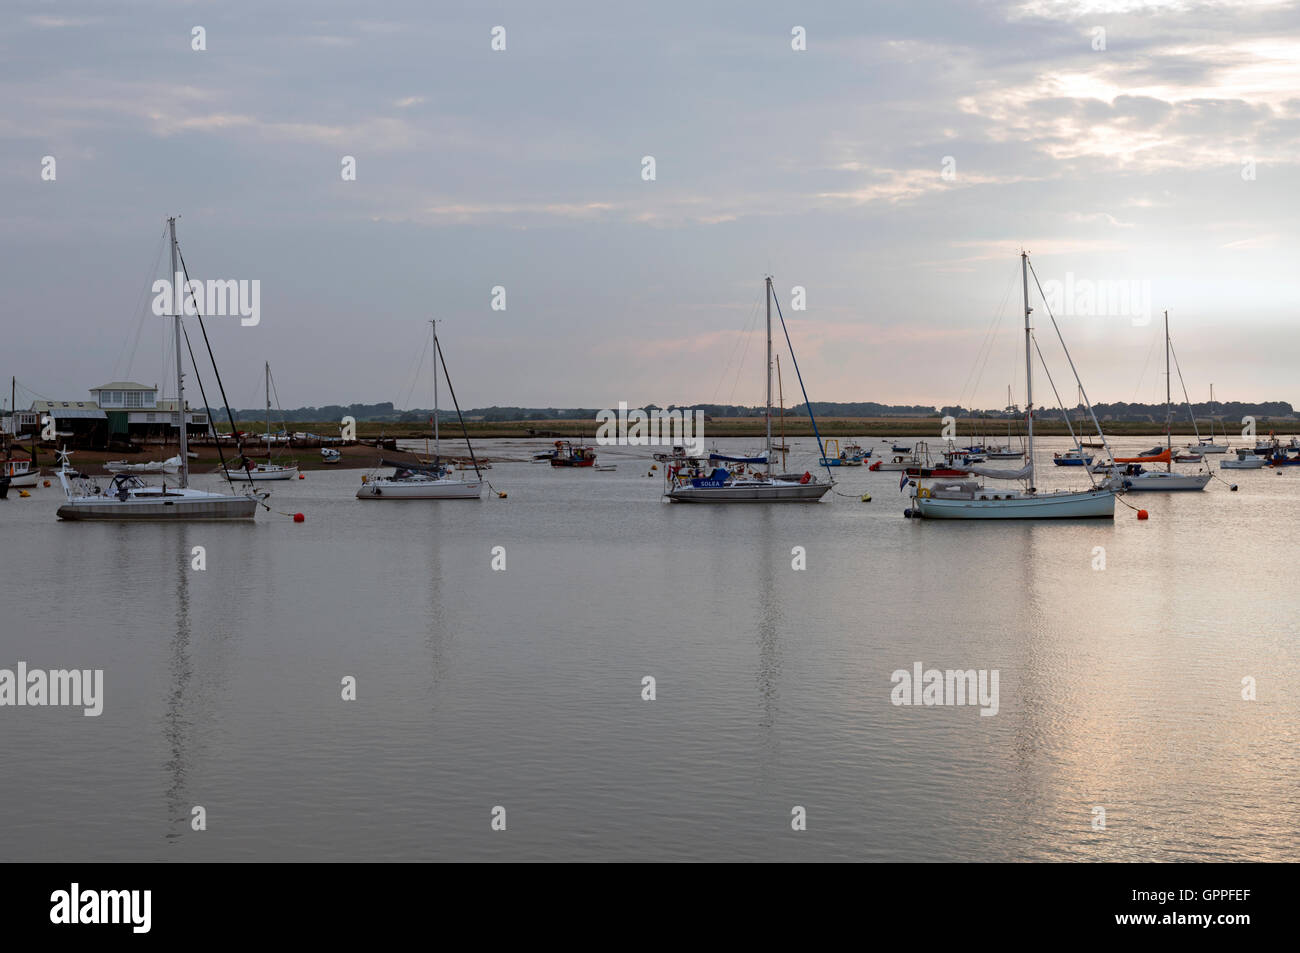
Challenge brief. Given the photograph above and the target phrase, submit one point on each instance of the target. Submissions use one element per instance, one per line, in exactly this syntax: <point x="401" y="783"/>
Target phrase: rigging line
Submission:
<point x="807" y="403"/>
<point x="414" y="377"/>
<point x="234" y="431"/>
<point x="1079" y="383"/>
<point x="1186" y="399"/>
<point x="747" y="339"/>
<point x="1064" y="413"/>
<point x="463" y="430"/>
<point x="722" y="376"/>
<point x="986" y="346"/>
<point x="140" y="309"/>
<point x="1145" y="364"/>
<point x="180" y="411"/>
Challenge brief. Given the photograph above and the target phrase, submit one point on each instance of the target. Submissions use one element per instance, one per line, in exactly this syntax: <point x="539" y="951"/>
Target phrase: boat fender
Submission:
<point x="47" y="483"/>
<point x="806" y="477"/>
<point x="907" y="513"/>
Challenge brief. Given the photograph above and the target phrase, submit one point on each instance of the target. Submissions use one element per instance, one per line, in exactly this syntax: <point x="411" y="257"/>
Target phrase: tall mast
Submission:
<point x="1029" y="367"/>
<point x="268" y="411"/>
<point x="768" y="454"/>
<point x="180" y="375"/>
<point x="437" y="455"/>
<point x="1169" y="406"/>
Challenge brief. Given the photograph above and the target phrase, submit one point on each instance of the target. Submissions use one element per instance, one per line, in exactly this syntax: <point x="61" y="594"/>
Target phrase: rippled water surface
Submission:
<point x="1119" y="688"/>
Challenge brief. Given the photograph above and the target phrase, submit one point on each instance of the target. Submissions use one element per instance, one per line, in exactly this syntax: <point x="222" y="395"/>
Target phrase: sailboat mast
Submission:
<point x="437" y="455"/>
<point x="268" y="411"/>
<point x="768" y="454"/>
<point x="1029" y="367"/>
<point x="180" y="375"/>
<point x="1169" y="406"/>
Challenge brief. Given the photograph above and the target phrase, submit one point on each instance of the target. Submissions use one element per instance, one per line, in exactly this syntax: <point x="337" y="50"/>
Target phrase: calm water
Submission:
<point x="1119" y="688"/>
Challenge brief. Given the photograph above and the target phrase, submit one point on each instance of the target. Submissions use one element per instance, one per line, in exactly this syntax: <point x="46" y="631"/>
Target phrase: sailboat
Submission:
<point x="254" y="472"/>
<point x="1209" y="446"/>
<point x="969" y="500"/>
<point x="1006" y="452"/>
<point x="1138" y="479"/>
<point x="128" y="497"/>
<point x="431" y="481"/>
<point x="685" y="483"/>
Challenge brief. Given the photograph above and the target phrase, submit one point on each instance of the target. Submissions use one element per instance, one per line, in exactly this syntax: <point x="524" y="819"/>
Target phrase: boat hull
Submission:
<point x="421" y="490"/>
<point x="1096" y="504"/>
<point x="1161" y="481"/>
<point x="262" y="476"/>
<point x="1256" y="464"/>
<point x="783" y="493"/>
<point x="218" y="507"/>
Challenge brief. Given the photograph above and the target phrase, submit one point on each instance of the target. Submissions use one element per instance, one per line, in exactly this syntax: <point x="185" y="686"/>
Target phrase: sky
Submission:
<point x="893" y="169"/>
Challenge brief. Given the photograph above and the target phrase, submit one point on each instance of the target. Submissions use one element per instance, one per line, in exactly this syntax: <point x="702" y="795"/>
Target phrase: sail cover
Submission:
<point x="1161" y="457"/>
<point x="718" y="456"/>
<point x="999" y="474"/>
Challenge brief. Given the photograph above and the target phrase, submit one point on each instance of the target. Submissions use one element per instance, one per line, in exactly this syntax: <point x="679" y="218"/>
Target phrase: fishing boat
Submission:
<point x="432" y="481"/>
<point x="1071" y="458"/>
<point x="969" y="499"/>
<point x="925" y="468"/>
<point x="898" y="462"/>
<point x="838" y="457"/>
<point x="1244" y="460"/>
<point x="127" y="496"/>
<point x="170" y="465"/>
<point x="900" y="448"/>
<point x="19" y="473"/>
<point x="689" y="484"/>
<point x="1139" y="479"/>
<point x="253" y="471"/>
<point x="330" y="455"/>
<point x="566" y="454"/>
<point x="857" y="451"/>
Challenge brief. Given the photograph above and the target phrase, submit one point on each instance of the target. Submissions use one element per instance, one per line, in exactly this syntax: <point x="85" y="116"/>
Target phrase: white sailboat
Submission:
<point x="969" y="500"/>
<point x="1209" y="446"/>
<point x="425" y="482"/>
<point x="254" y="472"/>
<point x="1140" y="480"/>
<point x="128" y="497"/>
<point x="687" y="482"/>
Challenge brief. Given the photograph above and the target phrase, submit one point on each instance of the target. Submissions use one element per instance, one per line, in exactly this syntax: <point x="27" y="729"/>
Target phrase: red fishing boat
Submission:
<point x="566" y="454"/>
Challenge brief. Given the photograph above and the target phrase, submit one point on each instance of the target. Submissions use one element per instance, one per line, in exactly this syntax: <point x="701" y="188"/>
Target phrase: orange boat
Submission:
<point x="1161" y="457"/>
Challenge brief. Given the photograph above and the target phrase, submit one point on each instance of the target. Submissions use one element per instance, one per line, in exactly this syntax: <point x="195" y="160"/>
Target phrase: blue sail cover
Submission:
<point x="714" y="481"/>
<point x="717" y="456"/>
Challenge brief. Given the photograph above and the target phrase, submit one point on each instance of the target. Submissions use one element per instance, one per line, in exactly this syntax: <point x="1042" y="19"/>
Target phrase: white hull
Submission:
<point x="421" y="490"/>
<point x="261" y="474"/>
<point x="1209" y="447"/>
<point x="153" y="503"/>
<point x="19" y="473"/>
<point x="1090" y="504"/>
<point x="24" y="481"/>
<point x="1160" y="480"/>
<point x="750" y="493"/>
<point x="1243" y="463"/>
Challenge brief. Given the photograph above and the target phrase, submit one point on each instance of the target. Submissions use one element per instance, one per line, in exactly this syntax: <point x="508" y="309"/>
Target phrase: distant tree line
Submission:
<point x="1154" y="413"/>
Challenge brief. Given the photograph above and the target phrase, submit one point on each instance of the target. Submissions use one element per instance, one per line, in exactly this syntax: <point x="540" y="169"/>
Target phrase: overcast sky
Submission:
<point x="1168" y="157"/>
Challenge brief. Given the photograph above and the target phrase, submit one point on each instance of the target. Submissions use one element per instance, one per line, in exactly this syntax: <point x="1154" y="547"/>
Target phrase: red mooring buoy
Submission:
<point x="1142" y="514"/>
<point x="299" y="518"/>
